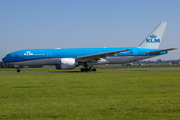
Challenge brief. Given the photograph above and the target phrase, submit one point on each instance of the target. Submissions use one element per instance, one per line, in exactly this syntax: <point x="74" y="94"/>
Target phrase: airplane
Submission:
<point x="69" y="58"/>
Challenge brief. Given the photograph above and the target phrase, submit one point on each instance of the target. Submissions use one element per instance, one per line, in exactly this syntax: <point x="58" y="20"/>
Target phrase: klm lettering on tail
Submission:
<point x="153" y="39"/>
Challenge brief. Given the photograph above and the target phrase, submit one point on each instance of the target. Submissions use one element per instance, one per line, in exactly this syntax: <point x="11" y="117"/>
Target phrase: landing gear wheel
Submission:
<point x="18" y="71"/>
<point x="94" y="69"/>
<point x="82" y="69"/>
<point x="88" y="69"/>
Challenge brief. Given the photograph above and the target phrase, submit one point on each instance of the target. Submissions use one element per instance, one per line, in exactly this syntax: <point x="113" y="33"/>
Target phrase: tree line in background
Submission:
<point x="5" y="65"/>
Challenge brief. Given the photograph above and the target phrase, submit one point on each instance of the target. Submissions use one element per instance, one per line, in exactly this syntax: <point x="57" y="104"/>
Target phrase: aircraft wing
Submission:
<point x="99" y="55"/>
<point x="165" y="50"/>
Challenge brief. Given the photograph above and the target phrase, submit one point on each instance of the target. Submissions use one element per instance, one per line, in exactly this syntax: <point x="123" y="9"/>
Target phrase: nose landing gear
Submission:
<point x="18" y="70"/>
<point x="17" y="67"/>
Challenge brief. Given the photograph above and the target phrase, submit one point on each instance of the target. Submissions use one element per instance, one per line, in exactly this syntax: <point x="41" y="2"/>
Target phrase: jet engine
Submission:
<point x="67" y="63"/>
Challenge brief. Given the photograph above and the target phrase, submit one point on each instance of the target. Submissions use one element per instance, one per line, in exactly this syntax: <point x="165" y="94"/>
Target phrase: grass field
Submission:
<point x="101" y="95"/>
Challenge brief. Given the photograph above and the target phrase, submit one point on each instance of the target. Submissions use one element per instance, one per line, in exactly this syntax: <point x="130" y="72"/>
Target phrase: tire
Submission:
<point x="82" y="69"/>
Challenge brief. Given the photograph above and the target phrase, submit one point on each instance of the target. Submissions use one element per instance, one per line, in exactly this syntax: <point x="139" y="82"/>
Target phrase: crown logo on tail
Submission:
<point x="153" y="36"/>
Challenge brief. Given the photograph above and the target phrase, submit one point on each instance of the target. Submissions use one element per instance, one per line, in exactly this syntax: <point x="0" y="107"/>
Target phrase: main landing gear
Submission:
<point x="88" y="69"/>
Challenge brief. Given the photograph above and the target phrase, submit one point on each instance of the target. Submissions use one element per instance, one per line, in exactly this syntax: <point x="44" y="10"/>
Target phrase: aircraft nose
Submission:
<point x="4" y="59"/>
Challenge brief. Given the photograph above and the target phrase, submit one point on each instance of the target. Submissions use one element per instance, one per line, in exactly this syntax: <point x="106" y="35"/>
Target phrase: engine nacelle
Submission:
<point x="102" y="61"/>
<point x="67" y="63"/>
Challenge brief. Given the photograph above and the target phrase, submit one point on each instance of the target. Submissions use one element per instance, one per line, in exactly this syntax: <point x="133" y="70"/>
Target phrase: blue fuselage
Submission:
<point x="38" y="54"/>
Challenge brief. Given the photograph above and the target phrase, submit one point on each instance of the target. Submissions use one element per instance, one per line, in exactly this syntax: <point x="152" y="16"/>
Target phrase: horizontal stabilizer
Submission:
<point x="99" y="55"/>
<point x="165" y="50"/>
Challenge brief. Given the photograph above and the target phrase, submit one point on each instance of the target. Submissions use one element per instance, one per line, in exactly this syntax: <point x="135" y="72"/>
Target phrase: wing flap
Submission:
<point x="165" y="50"/>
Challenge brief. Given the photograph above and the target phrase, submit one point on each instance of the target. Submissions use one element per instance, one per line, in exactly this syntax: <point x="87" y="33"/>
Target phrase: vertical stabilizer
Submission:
<point x="153" y="40"/>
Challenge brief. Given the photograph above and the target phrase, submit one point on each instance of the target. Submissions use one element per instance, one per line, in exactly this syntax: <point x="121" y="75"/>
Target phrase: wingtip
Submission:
<point x="174" y="48"/>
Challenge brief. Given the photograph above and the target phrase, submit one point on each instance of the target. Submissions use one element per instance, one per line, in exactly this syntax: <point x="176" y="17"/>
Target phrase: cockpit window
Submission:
<point x="8" y="55"/>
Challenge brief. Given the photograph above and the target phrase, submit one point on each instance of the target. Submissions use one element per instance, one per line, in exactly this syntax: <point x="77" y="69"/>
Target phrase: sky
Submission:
<point x="38" y="24"/>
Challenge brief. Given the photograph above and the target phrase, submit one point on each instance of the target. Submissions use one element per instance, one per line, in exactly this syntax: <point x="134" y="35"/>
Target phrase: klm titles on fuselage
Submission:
<point x="153" y="39"/>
